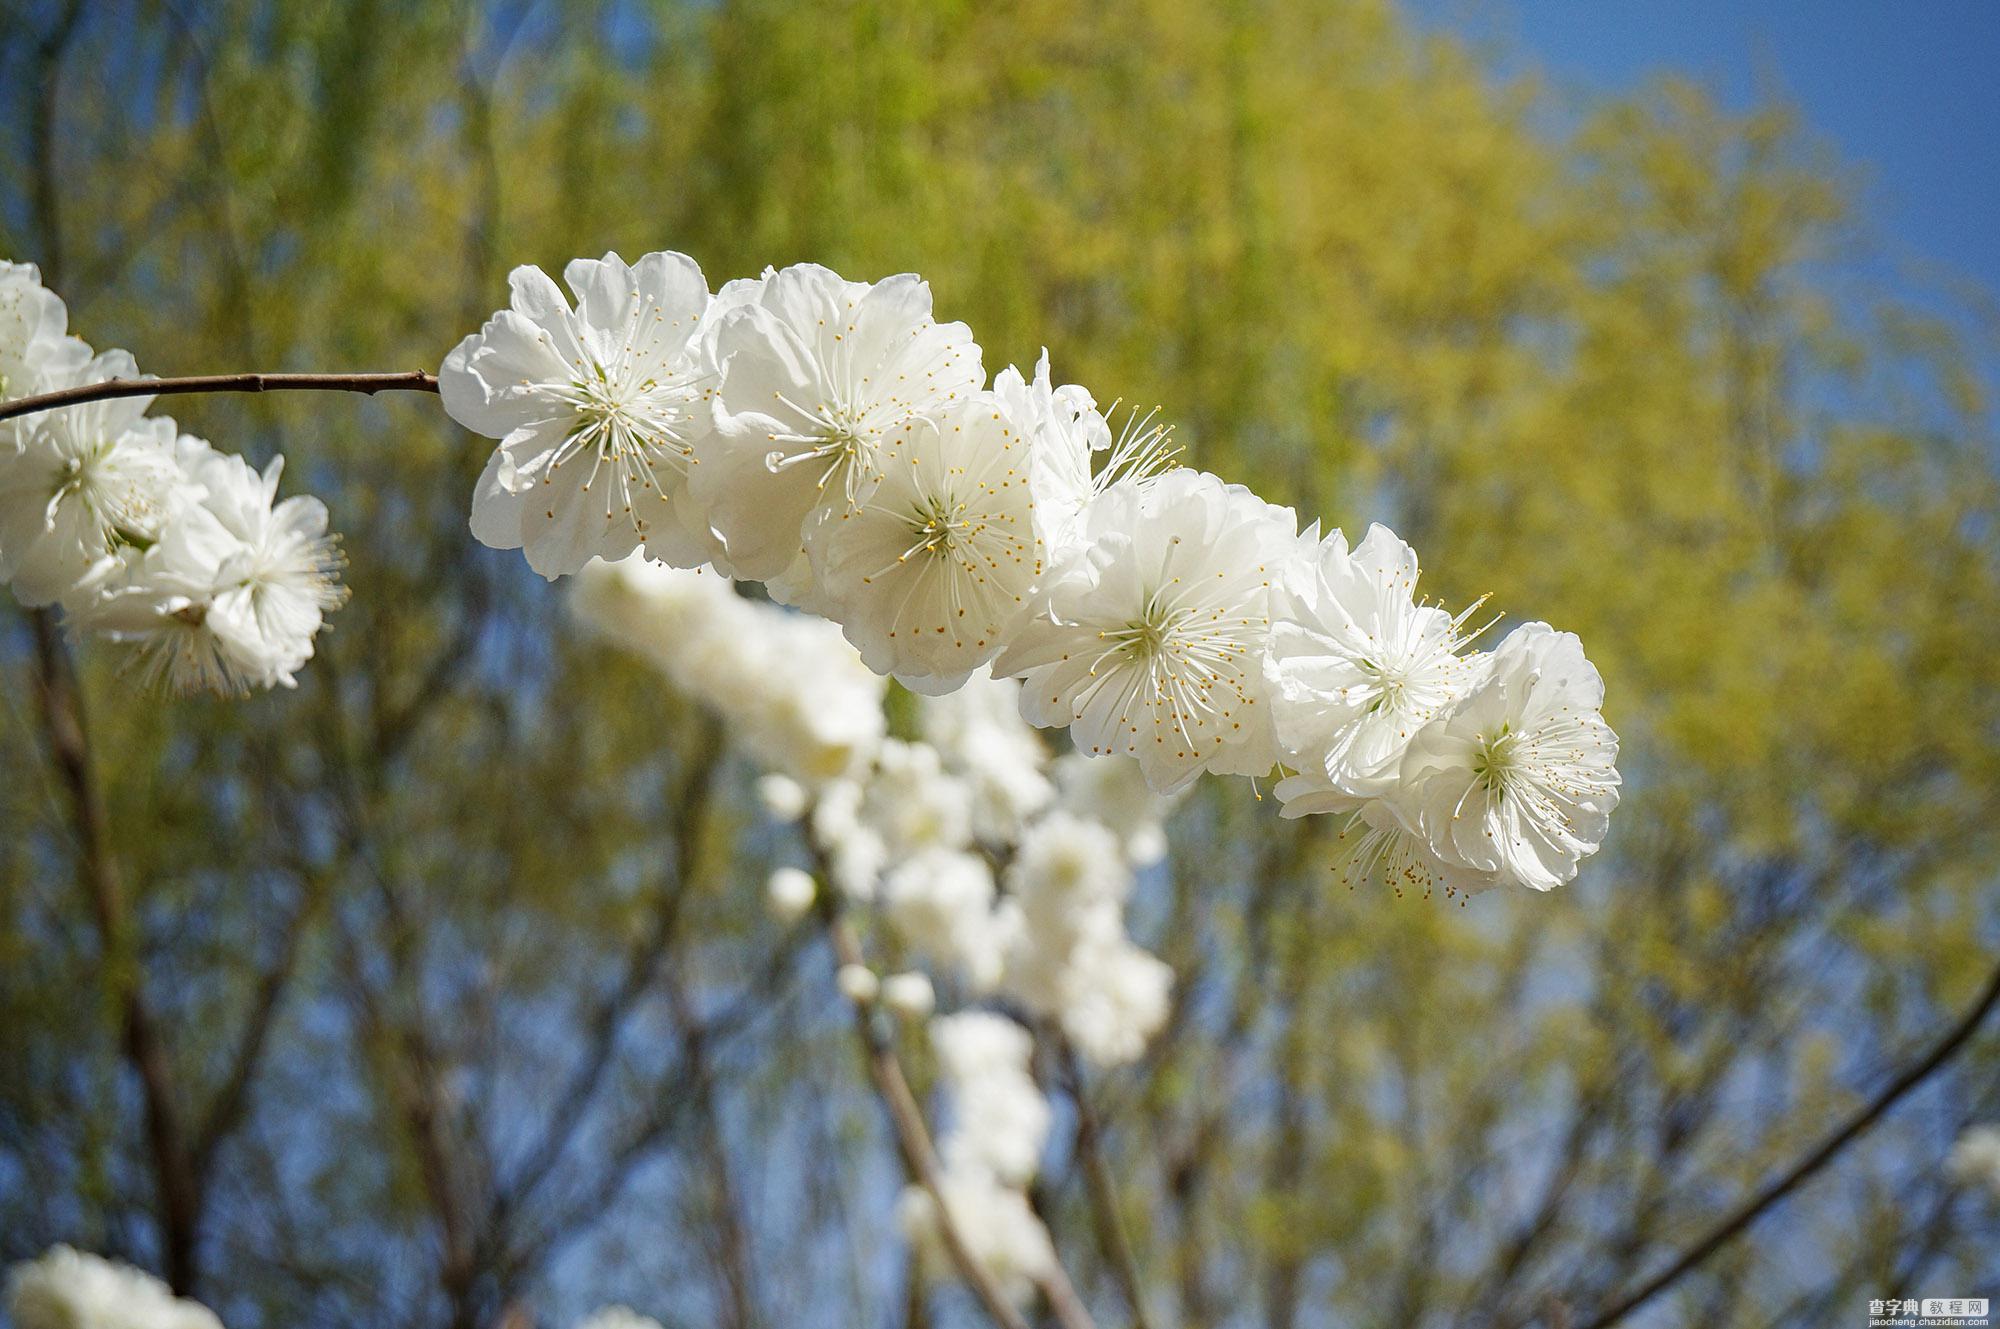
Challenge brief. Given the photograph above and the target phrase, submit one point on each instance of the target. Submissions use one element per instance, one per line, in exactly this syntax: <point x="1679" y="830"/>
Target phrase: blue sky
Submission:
<point x="1907" y="90"/>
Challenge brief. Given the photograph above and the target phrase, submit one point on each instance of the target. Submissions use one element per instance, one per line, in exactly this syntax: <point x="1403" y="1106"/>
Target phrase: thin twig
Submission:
<point x="416" y="380"/>
<point x="1112" y="1237"/>
<point x="913" y="1138"/>
<point x="1752" y="1209"/>
<point x="1064" y="1302"/>
<point x="68" y="736"/>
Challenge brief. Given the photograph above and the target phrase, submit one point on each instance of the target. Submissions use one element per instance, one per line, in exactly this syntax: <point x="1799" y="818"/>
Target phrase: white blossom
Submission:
<point x="1065" y="431"/>
<point x="83" y="481"/>
<point x="1519" y="778"/>
<point x="1356" y="665"/>
<point x="36" y="351"/>
<point x="823" y="381"/>
<point x="598" y="408"/>
<point x="233" y="591"/>
<point x="68" y="1289"/>
<point x="926" y="573"/>
<point x="1149" y="640"/>
<point x="1381" y="844"/>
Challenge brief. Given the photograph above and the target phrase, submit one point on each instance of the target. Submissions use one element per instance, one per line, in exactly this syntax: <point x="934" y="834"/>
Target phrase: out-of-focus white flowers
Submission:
<point x="990" y="1151"/>
<point x="858" y="983"/>
<point x="146" y="536"/>
<point x="999" y="1119"/>
<point x="913" y="827"/>
<point x="793" y="692"/>
<point x="599" y="409"/>
<point x="68" y="1289"/>
<point x="1070" y="959"/>
<point x="909" y="994"/>
<point x="941" y="900"/>
<point x="998" y="1226"/>
<point x="979" y="735"/>
<point x="1975" y="1158"/>
<point x="1116" y="794"/>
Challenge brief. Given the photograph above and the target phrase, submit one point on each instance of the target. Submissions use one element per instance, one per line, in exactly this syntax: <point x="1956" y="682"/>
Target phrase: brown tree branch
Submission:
<point x="913" y="1138"/>
<point x="732" y="1245"/>
<point x="642" y="968"/>
<point x="42" y="134"/>
<point x="232" y="1098"/>
<point x="1941" y="1052"/>
<point x="174" y="1174"/>
<point x="1112" y="1237"/>
<point x="416" y="380"/>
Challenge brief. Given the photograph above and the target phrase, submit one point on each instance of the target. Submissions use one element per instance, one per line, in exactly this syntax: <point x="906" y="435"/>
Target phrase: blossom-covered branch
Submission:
<point x="832" y="439"/>
<point x="145" y="535"/>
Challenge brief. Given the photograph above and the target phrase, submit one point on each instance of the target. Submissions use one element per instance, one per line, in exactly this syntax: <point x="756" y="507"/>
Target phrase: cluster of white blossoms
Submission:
<point x="834" y="440"/>
<point x="957" y="838"/>
<point x="145" y="535"/>
<point x="989" y="1153"/>
<point x="67" y="1289"/>
<point x="997" y="867"/>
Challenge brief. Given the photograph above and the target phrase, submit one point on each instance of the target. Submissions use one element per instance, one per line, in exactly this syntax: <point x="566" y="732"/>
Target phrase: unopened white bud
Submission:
<point x="857" y="982"/>
<point x="910" y="995"/>
<point x="789" y="893"/>
<point x="783" y="797"/>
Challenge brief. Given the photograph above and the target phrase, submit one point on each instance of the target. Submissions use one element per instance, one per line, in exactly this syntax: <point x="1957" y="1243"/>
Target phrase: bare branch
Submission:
<point x="174" y="1174"/>
<point x="1112" y="1237"/>
<point x="1732" y="1226"/>
<point x="913" y="1138"/>
<point x="368" y="384"/>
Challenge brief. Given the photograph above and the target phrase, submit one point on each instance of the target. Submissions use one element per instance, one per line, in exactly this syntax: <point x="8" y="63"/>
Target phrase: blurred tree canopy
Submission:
<point x="455" y="956"/>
